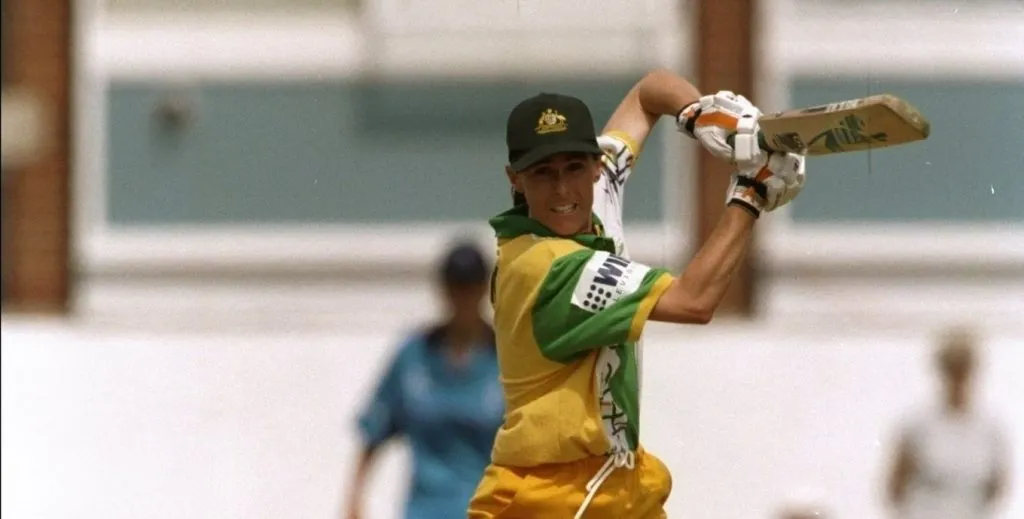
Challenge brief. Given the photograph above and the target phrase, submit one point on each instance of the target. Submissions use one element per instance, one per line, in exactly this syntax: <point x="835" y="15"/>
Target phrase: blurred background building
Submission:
<point x="218" y="216"/>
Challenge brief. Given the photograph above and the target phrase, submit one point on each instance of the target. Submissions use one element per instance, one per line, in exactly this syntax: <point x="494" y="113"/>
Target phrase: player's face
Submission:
<point x="957" y="370"/>
<point x="464" y="301"/>
<point x="560" y="191"/>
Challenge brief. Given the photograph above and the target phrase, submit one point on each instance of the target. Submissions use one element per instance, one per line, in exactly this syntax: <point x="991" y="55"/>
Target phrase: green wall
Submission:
<point x="970" y="169"/>
<point x="332" y="152"/>
<point x="336" y="152"/>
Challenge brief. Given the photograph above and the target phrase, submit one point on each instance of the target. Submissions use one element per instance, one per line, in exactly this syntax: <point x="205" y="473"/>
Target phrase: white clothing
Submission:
<point x="955" y="458"/>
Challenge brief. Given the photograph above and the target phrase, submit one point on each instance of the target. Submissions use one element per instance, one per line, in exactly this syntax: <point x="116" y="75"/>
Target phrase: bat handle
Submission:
<point x="761" y="142"/>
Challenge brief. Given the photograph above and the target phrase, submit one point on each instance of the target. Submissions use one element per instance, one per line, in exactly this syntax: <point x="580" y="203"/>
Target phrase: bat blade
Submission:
<point x="871" y="122"/>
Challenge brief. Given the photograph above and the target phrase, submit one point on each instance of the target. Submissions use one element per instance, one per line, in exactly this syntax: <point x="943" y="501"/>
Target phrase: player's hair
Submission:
<point x="518" y="198"/>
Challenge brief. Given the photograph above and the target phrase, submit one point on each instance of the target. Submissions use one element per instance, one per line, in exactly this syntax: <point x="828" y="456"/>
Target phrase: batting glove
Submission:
<point x="713" y="119"/>
<point x="776" y="183"/>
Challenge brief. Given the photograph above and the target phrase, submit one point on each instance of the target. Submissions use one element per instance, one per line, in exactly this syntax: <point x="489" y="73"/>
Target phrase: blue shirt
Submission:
<point x="449" y="414"/>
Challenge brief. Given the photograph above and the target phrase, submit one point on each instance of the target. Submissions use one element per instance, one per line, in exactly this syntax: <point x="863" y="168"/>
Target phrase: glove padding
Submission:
<point x="714" y="118"/>
<point x="776" y="183"/>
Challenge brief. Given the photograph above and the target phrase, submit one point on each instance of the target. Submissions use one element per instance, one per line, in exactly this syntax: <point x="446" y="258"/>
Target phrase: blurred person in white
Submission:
<point x="441" y="393"/>
<point x="951" y="462"/>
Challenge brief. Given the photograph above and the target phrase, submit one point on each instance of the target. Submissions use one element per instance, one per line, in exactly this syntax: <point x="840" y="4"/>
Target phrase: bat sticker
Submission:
<point x="849" y="131"/>
<point x="789" y="141"/>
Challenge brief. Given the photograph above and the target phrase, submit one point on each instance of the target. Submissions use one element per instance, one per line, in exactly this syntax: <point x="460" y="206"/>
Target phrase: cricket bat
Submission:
<point x="872" y="122"/>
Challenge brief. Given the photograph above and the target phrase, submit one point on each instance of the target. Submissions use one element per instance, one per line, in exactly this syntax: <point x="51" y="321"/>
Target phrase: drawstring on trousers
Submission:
<point x="621" y="459"/>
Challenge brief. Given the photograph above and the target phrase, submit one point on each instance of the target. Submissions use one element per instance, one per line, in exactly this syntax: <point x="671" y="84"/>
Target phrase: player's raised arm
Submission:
<point x="659" y="93"/>
<point x="713" y="120"/>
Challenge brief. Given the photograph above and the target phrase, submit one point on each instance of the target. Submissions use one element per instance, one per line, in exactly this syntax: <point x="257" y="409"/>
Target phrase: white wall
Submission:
<point x="118" y="417"/>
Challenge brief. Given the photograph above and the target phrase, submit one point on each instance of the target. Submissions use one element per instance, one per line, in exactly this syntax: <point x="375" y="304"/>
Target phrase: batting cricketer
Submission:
<point x="570" y="306"/>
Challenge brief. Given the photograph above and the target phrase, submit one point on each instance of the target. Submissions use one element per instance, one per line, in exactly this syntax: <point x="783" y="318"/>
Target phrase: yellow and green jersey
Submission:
<point x="568" y="315"/>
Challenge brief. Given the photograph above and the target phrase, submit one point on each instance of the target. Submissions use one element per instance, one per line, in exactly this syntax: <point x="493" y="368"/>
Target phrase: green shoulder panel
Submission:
<point x="588" y="300"/>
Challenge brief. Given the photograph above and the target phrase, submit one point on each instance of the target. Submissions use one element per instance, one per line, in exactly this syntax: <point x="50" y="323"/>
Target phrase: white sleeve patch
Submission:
<point x="605" y="279"/>
<point x="617" y="153"/>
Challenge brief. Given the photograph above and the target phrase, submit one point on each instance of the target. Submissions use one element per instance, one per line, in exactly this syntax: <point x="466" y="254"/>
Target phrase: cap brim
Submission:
<point x="542" y="152"/>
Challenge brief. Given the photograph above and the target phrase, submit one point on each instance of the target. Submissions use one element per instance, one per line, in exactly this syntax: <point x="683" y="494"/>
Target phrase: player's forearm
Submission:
<point x="358" y="483"/>
<point x="899" y="477"/>
<point x="702" y="285"/>
<point x="662" y="92"/>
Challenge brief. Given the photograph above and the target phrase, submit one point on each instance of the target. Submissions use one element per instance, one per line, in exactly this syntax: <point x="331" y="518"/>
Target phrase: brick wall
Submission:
<point x="36" y="197"/>
<point x="725" y="62"/>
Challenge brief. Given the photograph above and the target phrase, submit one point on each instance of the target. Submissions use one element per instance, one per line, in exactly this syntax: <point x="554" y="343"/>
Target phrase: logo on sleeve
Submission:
<point x="605" y="279"/>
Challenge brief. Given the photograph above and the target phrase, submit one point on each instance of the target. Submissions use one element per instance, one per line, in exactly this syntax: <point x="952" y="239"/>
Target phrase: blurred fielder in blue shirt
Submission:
<point x="441" y="393"/>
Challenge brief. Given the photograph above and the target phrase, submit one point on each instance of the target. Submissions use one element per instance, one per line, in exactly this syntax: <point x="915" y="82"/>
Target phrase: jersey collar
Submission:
<point x="516" y="222"/>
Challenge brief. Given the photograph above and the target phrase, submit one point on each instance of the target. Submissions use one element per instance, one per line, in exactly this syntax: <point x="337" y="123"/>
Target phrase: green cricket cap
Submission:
<point x="546" y="124"/>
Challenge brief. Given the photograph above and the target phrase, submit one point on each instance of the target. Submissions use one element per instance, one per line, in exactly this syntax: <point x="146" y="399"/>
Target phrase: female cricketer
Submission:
<point x="570" y="306"/>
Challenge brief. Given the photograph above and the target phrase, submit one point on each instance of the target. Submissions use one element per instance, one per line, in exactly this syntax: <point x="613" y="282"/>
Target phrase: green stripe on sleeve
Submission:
<point x="588" y="300"/>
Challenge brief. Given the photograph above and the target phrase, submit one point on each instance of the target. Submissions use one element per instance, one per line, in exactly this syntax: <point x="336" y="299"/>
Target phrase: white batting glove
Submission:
<point x="776" y="183"/>
<point x="714" y="118"/>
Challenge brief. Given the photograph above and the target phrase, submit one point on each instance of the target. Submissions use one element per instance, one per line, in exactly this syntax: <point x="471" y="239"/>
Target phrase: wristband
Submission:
<point x="686" y="124"/>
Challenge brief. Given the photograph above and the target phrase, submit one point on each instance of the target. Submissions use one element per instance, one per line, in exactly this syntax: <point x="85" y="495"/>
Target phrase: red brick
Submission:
<point x="724" y="62"/>
<point x="39" y="56"/>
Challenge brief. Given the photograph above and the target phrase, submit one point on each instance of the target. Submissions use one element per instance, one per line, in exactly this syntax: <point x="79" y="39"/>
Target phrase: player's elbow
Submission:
<point x="676" y="306"/>
<point x="700" y="315"/>
<point x="703" y="316"/>
<point x="696" y="315"/>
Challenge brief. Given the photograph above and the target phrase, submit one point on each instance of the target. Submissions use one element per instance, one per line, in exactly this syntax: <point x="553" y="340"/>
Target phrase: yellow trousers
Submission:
<point x="556" y="491"/>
